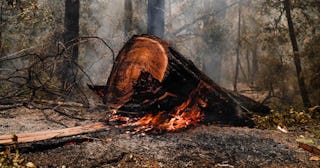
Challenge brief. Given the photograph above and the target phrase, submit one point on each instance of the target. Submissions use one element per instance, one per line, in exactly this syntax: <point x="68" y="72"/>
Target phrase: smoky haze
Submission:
<point x="251" y="47"/>
<point x="202" y="30"/>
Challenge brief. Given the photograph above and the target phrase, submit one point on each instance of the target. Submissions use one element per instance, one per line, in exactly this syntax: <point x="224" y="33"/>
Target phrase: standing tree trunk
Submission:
<point x="248" y="66"/>
<point x="255" y="67"/>
<point x="128" y="27"/>
<point x="71" y="23"/>
<point x="236" y="76"/>
<point x="1" y="29"/>
<point x="296" y="56"/>
<point x="156" y="17"/>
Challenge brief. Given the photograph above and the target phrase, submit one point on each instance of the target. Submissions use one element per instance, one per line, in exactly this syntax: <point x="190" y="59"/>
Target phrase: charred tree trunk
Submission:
<point x="151" y="77"/>
<point x="296" y="56"/>
<point x="1" y="29"/>
<point x="236" y="76"/>
<point x="71" y="22"/>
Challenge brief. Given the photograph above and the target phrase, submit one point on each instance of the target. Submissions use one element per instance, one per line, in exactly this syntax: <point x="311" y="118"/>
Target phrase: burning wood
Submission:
<point x="168" y="91"/>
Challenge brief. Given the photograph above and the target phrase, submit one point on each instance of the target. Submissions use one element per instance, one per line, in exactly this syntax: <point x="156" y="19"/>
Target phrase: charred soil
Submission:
<point x="202" y="146"/>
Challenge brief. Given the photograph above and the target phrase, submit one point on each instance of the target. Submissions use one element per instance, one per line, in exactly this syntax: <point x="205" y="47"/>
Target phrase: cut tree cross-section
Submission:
<point x="169" y="91"/>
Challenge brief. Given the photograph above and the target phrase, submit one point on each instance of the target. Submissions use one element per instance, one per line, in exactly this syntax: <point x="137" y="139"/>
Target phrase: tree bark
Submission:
<point x="151" y="77"/>
<point x="128" y="27"/>
<point x="156" y="17"/>
<point x="1" y="23"/>
<point x="296" y="55"/>
<point x="236" y="76"/>
<point x="248" y="66"/>
<point x="255" y="66"/>
<point x="71" y="24"/>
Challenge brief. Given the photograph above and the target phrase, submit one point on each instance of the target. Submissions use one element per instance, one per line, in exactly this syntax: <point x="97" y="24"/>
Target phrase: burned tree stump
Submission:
<point x="152" y="78"/>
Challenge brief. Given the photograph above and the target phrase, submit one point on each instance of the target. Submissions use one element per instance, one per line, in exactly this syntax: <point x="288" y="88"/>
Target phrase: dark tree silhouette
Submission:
<point x="156" y="17"/>
<point x="1" y="22"/>
<point x="71" y="23"/>
<point x="296" y="55"/>
<point x="235" y="82"/>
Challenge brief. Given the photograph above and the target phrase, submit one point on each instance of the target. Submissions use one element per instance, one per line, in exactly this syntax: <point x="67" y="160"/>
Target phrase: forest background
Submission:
<point x="266" y="49"/>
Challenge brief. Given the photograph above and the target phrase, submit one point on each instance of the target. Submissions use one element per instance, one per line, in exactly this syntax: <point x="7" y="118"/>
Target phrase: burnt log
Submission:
<point x="151" y="77"/>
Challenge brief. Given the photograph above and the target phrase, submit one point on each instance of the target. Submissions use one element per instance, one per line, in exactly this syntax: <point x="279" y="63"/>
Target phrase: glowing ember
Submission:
<point x="187" y="114"/>
<point x="119" y="118"/>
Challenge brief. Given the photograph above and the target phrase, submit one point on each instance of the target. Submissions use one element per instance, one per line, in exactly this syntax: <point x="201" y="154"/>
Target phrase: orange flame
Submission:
<point x="187" y="114"/>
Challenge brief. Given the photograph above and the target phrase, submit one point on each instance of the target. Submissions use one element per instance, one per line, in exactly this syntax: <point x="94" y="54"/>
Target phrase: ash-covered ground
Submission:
<point x="203" y="146"/>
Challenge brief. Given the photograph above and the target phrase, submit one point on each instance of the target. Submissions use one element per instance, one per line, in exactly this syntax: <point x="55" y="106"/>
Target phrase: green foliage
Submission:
<point x="29" y="32"/>
<point x="268" y="70"/>
<point x="312" y="54"/>
<point x="24" y="20"/>
<point x="287" y="118"/>
<point x="215" y="34"/>
<point x="293" y="119"/>
<point x="305" y="124"/>
<point x="9" y="160"/>
<point x="276" y="71"/>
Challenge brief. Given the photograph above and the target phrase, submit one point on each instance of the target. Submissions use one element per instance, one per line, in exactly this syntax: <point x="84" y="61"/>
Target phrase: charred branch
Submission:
<point x="35" y="83"/>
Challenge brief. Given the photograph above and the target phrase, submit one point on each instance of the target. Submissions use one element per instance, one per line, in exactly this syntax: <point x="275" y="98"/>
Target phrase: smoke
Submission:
<point x="202" y="30"/>
<point x="102" y="18"/>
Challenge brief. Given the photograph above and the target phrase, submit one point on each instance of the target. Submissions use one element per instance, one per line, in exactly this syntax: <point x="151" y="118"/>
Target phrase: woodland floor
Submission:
<point x="203" y="146"/>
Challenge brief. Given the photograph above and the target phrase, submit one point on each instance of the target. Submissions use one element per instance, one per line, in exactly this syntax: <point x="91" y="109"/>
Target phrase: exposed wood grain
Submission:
<point x="149" y="76"/>
<point x="50" y="134"/>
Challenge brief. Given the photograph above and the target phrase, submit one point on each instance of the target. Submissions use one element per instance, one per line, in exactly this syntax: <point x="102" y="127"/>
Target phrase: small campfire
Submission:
<point x="168" y="92"/>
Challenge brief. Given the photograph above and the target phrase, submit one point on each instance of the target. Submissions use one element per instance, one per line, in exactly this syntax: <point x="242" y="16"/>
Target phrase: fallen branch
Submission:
<point x="309" y="144"/>
<point x="8" y="107"/>
<point x="50" y="134"/>
<point x="40" y="75"/>
<point x="60" y="103"/>
<point x="55" y="109"/>
<point x="309" y="148"/>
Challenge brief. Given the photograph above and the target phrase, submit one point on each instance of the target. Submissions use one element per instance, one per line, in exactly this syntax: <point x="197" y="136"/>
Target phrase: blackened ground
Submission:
<point x="204" y="146"/>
